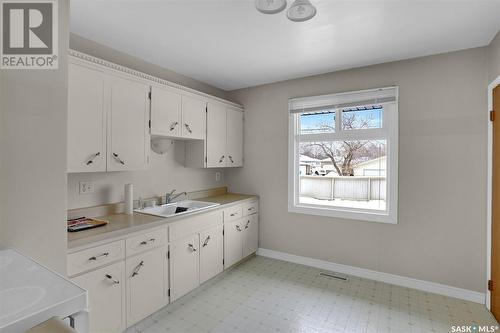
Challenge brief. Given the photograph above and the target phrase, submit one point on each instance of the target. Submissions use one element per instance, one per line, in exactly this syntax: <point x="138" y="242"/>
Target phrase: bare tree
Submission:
<point x="344" y="155"/>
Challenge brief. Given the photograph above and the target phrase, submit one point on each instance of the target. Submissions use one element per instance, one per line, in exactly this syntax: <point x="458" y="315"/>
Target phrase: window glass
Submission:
<point x="362" y="118"/>
<point x="317" y="122"/>
<point x="344" y="173"/>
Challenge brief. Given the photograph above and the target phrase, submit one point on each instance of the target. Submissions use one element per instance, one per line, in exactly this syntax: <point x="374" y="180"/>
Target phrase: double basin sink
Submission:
<point x="177" y="208"/>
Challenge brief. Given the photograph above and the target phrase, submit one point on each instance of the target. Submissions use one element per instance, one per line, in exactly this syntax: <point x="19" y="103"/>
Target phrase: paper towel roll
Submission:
<point x="129" y="198"/>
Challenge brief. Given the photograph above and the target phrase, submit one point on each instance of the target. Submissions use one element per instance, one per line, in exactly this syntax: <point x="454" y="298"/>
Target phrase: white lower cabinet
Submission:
<point x="106" y="295"/>
<point x="250" y="234"/>
<point x="184" y="266"/>
<point x="241" y="237"/>
<point x="146" y="284"/>
<point x="211" y="253"/>
<point x="233" y="242"/>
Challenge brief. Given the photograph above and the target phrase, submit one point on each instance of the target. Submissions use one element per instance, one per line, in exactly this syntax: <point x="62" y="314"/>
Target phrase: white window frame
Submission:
<point x="389" y="132"/>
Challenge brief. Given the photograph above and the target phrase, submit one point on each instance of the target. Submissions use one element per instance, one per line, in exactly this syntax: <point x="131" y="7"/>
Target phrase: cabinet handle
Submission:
<point x="233" y="214"/>
<point x="118" y="159"/>
<point x="246" y="225"/>
<point x="110" y="277"/>
<point x="188" y="128"/>
<point x="251" y="208"/>
<point x="172" y="126"/>
<point x="151" y="240"/>
<point x="94" y="258"/>
<point x="137" y="268"/>
<point x="231" y="158"/>
<point x="221" y="159"/>
<point x="205" y="243"/>
<point x="191" y="247"/>
<point x="93" y="157"/>
<point x="238" y="228"/>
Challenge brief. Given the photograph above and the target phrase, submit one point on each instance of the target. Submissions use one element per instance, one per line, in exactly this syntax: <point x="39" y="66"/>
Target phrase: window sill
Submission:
<point x="343" y="213"/>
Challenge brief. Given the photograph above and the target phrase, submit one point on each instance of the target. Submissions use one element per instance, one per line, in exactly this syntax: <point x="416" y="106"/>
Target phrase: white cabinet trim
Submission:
<point x="149" y="78"/>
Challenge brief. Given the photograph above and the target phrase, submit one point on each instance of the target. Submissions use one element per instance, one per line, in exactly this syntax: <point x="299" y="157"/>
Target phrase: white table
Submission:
<point x="31" y="294"/>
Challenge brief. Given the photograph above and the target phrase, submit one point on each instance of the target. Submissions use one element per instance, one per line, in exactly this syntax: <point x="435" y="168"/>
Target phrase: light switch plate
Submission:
<point x="217" y="176"/>
<point x="86" y="187"/>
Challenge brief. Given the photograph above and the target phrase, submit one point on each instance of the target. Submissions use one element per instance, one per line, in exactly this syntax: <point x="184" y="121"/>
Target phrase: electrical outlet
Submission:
<point x="217" y="176"/>
<point x="86" y="187"/>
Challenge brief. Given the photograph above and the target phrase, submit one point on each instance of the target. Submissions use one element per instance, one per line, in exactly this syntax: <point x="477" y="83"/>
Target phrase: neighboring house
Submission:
<point x="307" y="164"/>
<point x="375" y="167"/>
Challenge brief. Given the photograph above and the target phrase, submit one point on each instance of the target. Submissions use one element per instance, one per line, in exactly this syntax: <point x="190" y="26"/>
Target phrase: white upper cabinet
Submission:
<point x="128" y="125"/>
<point x="86" y="120"/>
<point x="176" y="115"/>
<point x="234" y="138"/>
<point x="166" y="110"/>
<point x="193" y="118"/>
<point x="216" y="136"/>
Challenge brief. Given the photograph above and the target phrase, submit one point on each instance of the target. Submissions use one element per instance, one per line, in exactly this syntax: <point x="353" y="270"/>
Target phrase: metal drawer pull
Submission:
<point x="231" y="158"/>
<point x="246" y="225"/>
<point x="233" y="214"/>
<point x="251" y="208"/>
<point x="137" y="268"/>
<point x="105" y="254"/>
<point x="188" y="128"/>
<point x="118" y="159"/>
<point x="172" y="127"/>
<point x="91" y="159"/>
<point x="151" y="240"/>
<point x="221" y="159"/>
<point x="238" y="228"/>
<point x="205" y="243"/>
<point x="191" y="247"/>
<point x="110" y="277"/>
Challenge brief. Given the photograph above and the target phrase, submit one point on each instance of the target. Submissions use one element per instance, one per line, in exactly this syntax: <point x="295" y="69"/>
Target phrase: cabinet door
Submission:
<point x="234" y="138"/>
<point x="166" y="106"/>
<point x="106" y="297"/>
<point x="216" y="136"/>
<point x="193" y="118"/>
<point x="233" y="242"/>
<point x="211" y="253"/>
<point x="184" y="266"/>
<point x="86" y="120"/>
<point x="128" y="125"/>
<point x="250" y="234"/>
<point x="145" y="284"/>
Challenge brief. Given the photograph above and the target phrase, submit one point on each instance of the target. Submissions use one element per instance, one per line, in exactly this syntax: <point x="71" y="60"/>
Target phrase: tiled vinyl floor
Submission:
<point x="267" y="295"/>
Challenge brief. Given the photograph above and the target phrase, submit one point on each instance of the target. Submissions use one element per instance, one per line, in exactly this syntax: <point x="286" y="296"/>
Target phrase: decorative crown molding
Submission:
<point x="107" y="64"/>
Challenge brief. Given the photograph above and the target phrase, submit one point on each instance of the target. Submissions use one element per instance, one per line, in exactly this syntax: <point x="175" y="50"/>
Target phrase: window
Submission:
<point x="343" y="155"/>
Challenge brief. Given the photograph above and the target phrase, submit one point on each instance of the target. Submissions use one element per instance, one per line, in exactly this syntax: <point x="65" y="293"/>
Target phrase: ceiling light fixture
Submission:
<point x="301" y="10"/>
<point x="270" y="6"/>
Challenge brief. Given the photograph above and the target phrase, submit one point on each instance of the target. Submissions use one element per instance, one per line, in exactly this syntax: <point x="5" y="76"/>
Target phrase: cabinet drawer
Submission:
<point x="95" y="257"/>
<point x="191" y="225"/>
<point x="250" y="208"/>
<point x="233" y="213"/>
<point x="146" y="241"/>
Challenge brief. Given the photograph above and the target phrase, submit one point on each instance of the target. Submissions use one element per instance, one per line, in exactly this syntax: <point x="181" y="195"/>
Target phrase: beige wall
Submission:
<point x="441" y="234"/>
<point x="33" y="171"/>
<point x="104" y="52"/>
<point x="494" y="58"/>
<point x="166" y="172"/>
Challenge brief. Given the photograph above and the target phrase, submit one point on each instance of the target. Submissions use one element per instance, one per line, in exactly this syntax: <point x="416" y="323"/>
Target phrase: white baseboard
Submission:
<point x="397" y="280"/>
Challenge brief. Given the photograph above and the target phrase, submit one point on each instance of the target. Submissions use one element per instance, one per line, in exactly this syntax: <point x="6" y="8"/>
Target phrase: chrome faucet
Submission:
<point x="169" y="197"/>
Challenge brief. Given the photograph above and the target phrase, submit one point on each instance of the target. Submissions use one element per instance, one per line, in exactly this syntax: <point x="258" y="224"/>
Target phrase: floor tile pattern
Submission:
<point x="267" y="295"/>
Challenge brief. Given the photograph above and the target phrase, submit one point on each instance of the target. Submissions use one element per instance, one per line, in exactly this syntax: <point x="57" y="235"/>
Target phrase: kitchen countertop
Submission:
<point x="31" y="294"/>
<point x="121" y="225"/>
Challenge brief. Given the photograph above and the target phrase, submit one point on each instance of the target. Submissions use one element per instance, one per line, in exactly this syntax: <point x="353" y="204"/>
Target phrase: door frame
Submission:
<point x="489" y="176"/>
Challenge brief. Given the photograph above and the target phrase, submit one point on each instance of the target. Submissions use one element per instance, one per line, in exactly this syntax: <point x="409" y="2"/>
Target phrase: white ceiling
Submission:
<point x="229" y="44"/>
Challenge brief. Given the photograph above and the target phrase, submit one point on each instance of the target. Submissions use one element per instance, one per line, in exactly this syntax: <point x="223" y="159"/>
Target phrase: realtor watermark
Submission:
<point x="29" y="34"/>
<point x="474" y="328"/>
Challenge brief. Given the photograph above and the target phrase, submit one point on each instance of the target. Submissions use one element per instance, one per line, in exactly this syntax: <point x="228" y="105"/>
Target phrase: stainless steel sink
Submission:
<point x="177" y="208"/>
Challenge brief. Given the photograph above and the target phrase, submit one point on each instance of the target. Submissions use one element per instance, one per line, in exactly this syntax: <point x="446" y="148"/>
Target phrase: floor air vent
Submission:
<point x="335" y="276"/>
